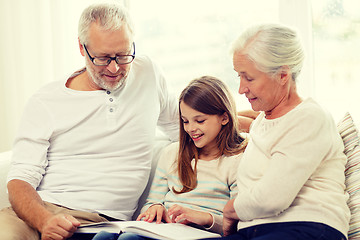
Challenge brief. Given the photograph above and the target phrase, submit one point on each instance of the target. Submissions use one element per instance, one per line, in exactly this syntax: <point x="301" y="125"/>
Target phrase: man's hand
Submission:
<point x="59" y="227"/>
<point x="186" y="215"/>
<point x="28" y="205"/>
<point x="157" y="211"/>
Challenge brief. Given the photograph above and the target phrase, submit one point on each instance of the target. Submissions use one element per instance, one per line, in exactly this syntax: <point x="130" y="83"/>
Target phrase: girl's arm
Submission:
<point x="230" y="217"/>
<point x="153" y="207"/>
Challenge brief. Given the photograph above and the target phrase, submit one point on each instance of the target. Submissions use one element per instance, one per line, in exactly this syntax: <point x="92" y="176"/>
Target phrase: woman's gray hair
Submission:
<point x="111" y="16"/>
<point x="271" y="46"/>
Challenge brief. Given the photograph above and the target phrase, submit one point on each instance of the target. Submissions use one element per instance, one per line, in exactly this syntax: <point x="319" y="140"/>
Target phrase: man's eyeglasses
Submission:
<point x="119" y="59"/>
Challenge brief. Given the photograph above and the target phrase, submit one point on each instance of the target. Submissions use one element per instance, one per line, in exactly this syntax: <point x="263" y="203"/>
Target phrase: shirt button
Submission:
<point x="111" y="109"/>
<point x="108" y="92"/>
<point x="110" y="99"/>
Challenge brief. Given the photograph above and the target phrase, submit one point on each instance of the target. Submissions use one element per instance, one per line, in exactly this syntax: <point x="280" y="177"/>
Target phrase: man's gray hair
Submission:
<point x="111" y="16"/>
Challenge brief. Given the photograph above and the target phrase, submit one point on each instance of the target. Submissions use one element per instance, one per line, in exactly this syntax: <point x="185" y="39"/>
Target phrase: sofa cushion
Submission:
<point x="350" y="136"/>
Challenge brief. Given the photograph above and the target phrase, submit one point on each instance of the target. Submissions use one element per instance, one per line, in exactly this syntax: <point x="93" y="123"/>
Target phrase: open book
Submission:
<point x="171" y="231"/>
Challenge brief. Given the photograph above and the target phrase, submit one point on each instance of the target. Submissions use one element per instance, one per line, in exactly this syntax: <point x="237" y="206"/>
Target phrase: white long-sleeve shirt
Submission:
<point x="92" y="150"/>
<point x="293" y="170"/>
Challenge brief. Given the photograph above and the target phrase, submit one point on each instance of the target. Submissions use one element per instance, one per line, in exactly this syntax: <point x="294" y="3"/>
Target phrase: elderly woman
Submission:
<point x="291" y="178"/>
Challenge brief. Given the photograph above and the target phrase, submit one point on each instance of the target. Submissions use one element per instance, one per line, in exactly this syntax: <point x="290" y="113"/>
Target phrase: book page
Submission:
<point x="174" y="231"/>
<point x="163" y="230"/>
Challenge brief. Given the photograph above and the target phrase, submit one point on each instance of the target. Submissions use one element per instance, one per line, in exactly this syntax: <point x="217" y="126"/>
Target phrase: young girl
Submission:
<point x="197" y="176"/>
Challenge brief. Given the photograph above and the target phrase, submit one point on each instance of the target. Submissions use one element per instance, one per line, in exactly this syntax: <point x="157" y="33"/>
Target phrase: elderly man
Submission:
<point x="84" y="147"/>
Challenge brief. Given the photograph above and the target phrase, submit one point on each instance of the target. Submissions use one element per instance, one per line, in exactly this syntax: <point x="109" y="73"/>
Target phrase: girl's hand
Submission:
<point x="185" y="215"/>
<point x="157" y="211"/>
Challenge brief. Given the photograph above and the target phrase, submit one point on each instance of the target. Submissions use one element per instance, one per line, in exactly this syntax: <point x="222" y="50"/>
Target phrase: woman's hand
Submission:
<point x="230" y="218"/>
<point x="185" y="215"/>
<point x="157" y="211"/>
<point x="229" y="226"/>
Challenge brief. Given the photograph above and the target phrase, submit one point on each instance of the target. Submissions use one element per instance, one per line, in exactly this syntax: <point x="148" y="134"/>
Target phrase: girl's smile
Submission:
<point x="202" y="128"/>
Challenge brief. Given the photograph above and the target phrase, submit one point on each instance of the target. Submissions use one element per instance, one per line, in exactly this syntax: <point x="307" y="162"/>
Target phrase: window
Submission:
<point x="192" y="38"/>
<point x="336" y="33"/>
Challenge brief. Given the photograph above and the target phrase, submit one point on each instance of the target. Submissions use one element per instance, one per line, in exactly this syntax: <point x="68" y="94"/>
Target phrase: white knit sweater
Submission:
<point x="293" y="170"/>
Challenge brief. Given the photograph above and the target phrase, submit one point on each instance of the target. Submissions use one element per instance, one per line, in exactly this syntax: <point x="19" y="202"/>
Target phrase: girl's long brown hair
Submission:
<point x="210" y="96"/>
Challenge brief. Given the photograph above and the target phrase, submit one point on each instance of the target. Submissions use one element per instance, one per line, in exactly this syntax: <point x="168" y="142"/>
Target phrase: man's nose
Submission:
<point x="113" y="67"/>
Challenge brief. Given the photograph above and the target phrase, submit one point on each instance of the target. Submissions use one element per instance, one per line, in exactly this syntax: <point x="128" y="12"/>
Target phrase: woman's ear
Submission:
<point x="284" y="75"/>
<point x="225" y="119"/>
